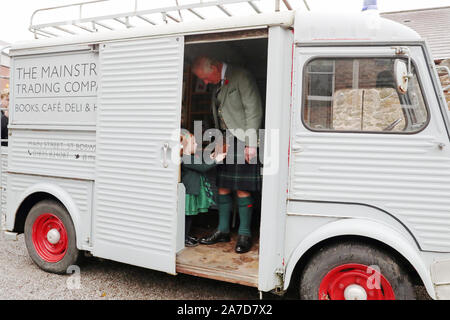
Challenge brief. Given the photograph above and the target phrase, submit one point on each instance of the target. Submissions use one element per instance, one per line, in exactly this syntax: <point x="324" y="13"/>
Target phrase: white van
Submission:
<point x="357" y="153"/>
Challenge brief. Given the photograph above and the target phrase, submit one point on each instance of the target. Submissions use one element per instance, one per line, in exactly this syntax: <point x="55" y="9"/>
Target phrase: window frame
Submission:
<point x="304" y="95"/>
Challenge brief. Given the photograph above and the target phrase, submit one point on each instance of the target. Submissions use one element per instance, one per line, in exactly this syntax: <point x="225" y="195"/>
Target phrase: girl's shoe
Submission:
<point x="190" y="241"/>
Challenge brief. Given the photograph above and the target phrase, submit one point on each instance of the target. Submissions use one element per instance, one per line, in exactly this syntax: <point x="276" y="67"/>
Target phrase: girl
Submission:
<point x="199" y="196"/>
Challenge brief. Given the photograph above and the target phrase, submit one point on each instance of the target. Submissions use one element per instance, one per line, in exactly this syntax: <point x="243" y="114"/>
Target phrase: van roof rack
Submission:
<point x="83" y="23"/>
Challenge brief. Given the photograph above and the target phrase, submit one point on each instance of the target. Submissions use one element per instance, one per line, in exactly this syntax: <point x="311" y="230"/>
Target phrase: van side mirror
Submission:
<point x="401" y="75"/>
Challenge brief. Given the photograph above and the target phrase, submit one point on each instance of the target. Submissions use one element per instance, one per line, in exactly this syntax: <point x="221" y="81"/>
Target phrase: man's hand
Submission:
<point x="250" y="153"/>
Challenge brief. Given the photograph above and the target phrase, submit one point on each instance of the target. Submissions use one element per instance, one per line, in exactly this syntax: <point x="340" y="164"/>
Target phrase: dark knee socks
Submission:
<point x="245" y="216"/>
<point x="188" y="225"/>
<point x="225" y="205"/>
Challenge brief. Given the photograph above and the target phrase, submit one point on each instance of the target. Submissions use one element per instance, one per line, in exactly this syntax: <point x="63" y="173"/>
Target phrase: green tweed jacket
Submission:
<point x="240" y="105"/>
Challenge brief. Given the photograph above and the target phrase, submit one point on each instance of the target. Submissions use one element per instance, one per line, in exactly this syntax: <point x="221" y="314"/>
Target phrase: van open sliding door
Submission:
<point x="138" y="126"/>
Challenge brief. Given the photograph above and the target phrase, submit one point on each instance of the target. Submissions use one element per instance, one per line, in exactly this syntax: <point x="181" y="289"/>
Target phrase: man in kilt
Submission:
<point x="237" y="112"/>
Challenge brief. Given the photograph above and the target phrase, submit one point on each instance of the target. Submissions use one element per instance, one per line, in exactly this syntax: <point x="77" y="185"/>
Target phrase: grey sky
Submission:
<point x="15" y="17"/>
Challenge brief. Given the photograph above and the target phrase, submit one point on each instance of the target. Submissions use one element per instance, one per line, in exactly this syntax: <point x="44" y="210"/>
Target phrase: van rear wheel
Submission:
<point x="50" y="237"/>
<point x="355" y="271"/>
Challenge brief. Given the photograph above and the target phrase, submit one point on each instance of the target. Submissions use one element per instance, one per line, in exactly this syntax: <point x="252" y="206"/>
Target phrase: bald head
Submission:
<point x="207" y="69"/>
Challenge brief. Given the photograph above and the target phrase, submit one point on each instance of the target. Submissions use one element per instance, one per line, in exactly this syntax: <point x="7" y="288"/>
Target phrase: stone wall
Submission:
<point x="367" y="110"/>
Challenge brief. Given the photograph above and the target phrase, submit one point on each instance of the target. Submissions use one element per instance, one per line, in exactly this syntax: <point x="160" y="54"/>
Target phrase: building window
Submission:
<point x="320" y="75"/>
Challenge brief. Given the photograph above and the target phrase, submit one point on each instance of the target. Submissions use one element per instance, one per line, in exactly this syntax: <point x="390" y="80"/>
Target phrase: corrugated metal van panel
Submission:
<point x="135" y="196"/>
<point x="69" y="154"/>
<point x="80" y="192"/>
<point x="405" y="175"/>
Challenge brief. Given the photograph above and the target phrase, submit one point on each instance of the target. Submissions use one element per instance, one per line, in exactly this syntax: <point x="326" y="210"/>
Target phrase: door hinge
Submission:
<point x="94" y="47"/>
<point x="279" y="288"/>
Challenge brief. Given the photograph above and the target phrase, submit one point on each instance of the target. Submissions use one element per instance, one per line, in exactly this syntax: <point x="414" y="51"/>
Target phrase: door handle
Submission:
<point x="165" y="150"/>
<point x="297" y="149"/>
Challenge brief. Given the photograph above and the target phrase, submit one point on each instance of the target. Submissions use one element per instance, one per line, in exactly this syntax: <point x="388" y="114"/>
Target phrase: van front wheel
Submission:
<point x="355" y="271"/>
<point x="50" y="237"/>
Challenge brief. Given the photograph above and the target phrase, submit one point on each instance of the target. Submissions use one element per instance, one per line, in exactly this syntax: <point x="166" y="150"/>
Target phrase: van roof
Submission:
<point x="365" y="26"/>
<point x="310" y="27"/>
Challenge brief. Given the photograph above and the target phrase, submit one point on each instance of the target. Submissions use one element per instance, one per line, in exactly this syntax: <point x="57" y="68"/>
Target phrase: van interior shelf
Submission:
<point x="83" y="18"/>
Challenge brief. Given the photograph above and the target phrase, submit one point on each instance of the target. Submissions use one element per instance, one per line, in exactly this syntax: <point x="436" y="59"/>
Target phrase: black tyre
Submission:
<point x="50" y="237"/>
<point x="355" y="271"/>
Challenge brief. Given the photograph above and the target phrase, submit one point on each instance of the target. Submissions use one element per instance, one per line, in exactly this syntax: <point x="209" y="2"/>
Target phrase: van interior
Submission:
<point x="220" y="261"/>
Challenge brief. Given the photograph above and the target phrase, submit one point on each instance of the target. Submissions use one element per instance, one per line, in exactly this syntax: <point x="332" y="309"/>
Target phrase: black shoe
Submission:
<point x="215" y="238"/>
<point x="190" y="241"/>
<point x="243" y="244"/>
<point x="192" y="238"/>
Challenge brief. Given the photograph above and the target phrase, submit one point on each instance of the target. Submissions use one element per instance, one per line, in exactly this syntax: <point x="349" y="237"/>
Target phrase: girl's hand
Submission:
<point x="220" y="152"/>
<point x="220" y="157"/>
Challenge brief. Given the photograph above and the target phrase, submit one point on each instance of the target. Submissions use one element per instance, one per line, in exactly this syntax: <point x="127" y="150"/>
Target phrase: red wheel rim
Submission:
<point x="355" y="281"/>
<point x="50" y="251"/>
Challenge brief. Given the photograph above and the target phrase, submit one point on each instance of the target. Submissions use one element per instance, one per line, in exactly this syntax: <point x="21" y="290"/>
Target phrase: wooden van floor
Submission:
<point x="221" y="262"/>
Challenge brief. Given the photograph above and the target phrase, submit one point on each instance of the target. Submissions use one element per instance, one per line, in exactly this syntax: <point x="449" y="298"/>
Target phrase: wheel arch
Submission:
<point x="365" y="231"/>
<point x="45" y="191"/>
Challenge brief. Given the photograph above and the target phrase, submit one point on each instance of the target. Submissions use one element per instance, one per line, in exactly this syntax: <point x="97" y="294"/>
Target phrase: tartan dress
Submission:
<point x="200" y="203"/>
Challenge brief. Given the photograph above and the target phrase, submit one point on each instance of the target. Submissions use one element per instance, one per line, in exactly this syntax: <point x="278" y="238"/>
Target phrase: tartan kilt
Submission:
<point x="236" y="175"/>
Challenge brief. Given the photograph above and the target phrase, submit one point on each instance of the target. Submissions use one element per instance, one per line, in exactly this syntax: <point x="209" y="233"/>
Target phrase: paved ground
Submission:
<point x="99" y="279"/>
<point x="20" y="278"/>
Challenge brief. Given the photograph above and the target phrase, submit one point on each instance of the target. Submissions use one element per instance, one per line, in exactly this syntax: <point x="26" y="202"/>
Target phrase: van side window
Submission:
<point x="347" y="94"/>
